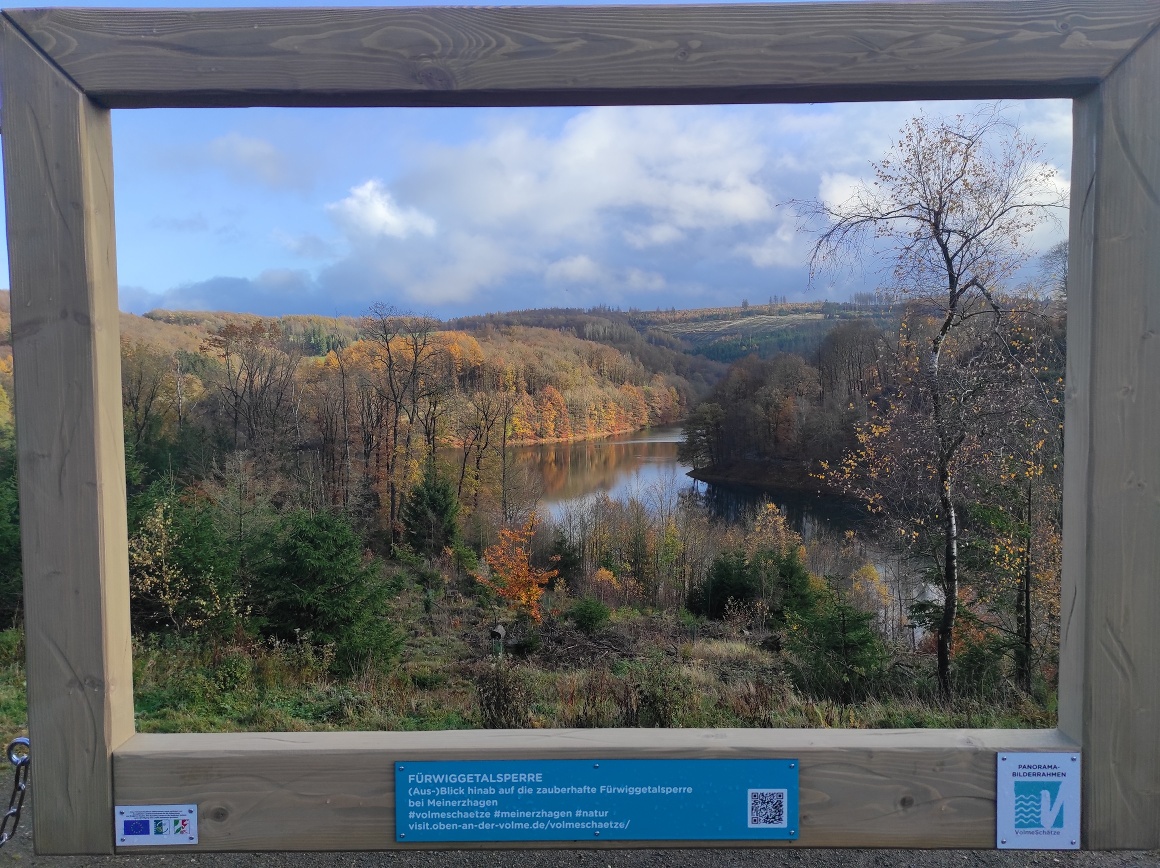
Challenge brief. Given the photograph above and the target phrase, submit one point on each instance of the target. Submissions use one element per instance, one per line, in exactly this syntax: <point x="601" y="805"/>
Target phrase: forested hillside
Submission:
<point x="311" y="415"/>
<point x="625" y="332"/>
<point x="793" y="407"/>
<point x="979" y="475"/>
<point x="687" y="340"/>
<point x="326" y="522"/>
<point x="339" y="523"/>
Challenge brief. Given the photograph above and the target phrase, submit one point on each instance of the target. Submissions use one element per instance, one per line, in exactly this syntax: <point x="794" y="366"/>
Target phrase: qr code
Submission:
<point x="767" y="809"/>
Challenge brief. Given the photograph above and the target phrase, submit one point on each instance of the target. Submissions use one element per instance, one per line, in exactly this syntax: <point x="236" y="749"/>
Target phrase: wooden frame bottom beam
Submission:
<point x="336" y="791"/>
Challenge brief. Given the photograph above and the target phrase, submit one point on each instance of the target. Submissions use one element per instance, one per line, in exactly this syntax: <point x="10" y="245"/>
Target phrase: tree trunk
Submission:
<point x="948" y="445"/>
<point x="950" y="579"/>
<point x="1023" y="610"/>
<point x="503" y="474"/>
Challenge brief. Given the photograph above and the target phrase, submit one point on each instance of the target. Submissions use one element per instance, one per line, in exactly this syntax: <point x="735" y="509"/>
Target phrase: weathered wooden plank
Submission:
<point x="589" y="55"/>
<point x="59" y="199"/>
<point x="1121" y="677"/>
<point x="335" y="791"/>
<point x="64" y="325"/>
<point x="1078" y="415"/>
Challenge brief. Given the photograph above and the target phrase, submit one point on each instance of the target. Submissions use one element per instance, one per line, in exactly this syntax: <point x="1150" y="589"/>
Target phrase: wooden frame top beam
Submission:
<point x="611" y="55"/>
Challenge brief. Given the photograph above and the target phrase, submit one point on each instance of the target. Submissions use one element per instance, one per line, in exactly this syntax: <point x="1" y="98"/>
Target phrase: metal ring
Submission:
<point x="18" y="759"/>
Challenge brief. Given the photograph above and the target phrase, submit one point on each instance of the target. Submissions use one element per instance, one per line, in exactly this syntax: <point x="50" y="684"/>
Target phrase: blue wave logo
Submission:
<point x="1038" y="805"/>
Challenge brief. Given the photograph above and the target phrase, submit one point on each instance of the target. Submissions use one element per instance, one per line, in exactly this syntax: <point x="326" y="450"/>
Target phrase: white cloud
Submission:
<point x="370" y="212"/>
<point x="574" y="269"/>
<point x="655" y="235"/>
<point x="837" y="188"/>
<point x="783" y="247"/>
<point x="1058" y="189"/>
<point x="676" y="170"/>
<point x="645" y="280"/>
<point x="252" y="159"/>
<point x="518" y="208"/>
<point x="1048" y="122"/>
<point x="1054" y="229"/>
<point x="284" y="281"/>
<point x="306" y="245"/>
<point x="472" y="263"/>
<point x="580" y="198"/>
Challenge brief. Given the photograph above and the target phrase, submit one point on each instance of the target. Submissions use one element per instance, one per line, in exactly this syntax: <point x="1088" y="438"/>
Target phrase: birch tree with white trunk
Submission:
<point x="951" y="208"/>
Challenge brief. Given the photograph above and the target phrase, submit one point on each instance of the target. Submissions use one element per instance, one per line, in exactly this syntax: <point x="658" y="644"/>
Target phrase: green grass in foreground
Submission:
<point x="639" y="670"/>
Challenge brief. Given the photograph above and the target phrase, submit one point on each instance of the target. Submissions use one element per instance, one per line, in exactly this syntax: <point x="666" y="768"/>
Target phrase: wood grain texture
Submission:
<point x="1078" y="415"/>
<point x="589" y="55"/>
<point x="1121" y="678"/>
<point x="59" y="199"/>
<point x="274" y="791"/>
<point x="335" y="791"/>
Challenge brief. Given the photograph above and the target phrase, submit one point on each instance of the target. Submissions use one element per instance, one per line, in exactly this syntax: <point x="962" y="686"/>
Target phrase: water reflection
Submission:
<point x="620" y="467"/>
<point x="645" y="465"/>
<point x="808" y="514"/>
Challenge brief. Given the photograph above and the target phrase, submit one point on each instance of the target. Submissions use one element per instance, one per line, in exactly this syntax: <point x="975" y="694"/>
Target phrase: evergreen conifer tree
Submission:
<point x="430" y="514"/>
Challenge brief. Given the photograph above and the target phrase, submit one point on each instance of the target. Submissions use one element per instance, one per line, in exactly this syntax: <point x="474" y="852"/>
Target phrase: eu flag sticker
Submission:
<point x="156" y="825"/>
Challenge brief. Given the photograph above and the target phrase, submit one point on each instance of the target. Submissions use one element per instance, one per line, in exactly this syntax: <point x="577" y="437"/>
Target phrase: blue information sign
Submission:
<point x="578" y="800"/>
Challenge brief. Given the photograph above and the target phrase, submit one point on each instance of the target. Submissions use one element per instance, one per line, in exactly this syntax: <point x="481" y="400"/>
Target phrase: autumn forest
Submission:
<point x="328" y="527"/>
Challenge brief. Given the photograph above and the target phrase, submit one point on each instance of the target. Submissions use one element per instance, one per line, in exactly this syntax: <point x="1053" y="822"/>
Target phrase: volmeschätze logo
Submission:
<point x="1038" y="805"/>
<point x="1037" y="800"/>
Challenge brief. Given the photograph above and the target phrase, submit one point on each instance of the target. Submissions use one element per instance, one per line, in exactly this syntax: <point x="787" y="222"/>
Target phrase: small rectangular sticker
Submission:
<point x="155" y="825"/>
<point x="1037" y="801"/>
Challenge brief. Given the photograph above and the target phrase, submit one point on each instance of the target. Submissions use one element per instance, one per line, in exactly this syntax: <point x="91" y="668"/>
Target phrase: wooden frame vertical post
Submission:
<point x="64" y="68"/>
<point x="66" y="348"/>
<point x="1110" y="686"/>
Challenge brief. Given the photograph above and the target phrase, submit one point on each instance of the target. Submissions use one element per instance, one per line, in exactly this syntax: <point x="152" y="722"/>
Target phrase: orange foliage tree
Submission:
<point x="513" y="577"/>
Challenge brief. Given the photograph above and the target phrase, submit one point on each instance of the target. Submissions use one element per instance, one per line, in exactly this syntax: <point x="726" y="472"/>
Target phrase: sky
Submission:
<point x="460" y="211"/>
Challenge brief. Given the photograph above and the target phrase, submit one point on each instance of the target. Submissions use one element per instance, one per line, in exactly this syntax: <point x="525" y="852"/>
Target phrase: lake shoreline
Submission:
<point x="780" y="475"/>
<point x="572" y="438"/>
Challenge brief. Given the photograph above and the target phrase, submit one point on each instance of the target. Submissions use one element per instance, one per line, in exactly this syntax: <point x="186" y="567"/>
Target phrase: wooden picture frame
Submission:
<point x="64" y="69"/>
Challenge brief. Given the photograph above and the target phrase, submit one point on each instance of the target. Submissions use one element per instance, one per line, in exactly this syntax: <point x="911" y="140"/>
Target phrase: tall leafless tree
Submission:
<point x="952" y="206"/>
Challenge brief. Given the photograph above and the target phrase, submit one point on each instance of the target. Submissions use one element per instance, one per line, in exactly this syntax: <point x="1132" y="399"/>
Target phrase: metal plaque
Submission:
<point x="1037" y="801"/>
<point x="597" y="800"/>
<point x="155" y="825"/>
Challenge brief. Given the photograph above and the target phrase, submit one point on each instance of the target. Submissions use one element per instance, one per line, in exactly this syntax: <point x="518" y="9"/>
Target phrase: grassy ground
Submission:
<point x="638" y="669"/>
<point x="744" y="326"/>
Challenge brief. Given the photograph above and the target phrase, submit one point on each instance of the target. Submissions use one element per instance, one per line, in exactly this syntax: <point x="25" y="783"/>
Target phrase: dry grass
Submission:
<point x="739" y="326"/>
<point x="719" y="651"/>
